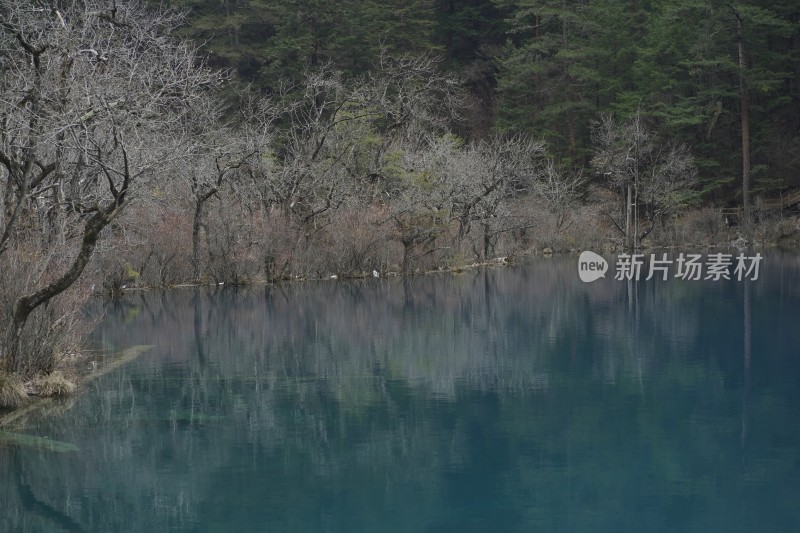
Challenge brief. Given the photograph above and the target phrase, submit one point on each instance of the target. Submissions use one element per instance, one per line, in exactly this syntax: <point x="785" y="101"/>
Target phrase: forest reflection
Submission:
<point x="502" y="398"/>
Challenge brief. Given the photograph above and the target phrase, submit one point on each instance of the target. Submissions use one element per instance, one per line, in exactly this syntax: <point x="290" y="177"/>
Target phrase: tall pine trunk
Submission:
<point x="744" y="98"/>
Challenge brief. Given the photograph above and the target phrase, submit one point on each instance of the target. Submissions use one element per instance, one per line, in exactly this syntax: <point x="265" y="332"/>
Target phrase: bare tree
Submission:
<point x="420" y="198"/>
<point x="655" y="176"/>
<point x="560" y="189"/>
<point x="88" y="98"/>
<point x="329" y="142"/>
<point x="492" y="173"/>
<point x="447" y="182"/>
<point x="302" y="169"/>
<point x="411" y="94"/>
<point x="222" y="151"/>
<point x="474" y="183"/>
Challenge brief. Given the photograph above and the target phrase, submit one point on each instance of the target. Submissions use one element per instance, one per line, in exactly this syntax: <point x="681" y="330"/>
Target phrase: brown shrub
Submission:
<point x="12" y="391"/>
<point x="585" y="226"/>
<point x="698" y="227"/>
<point x="276" y="244"/>
<point x="166" y="258"/>
<point x="52" y="329"/>
<point x="356" y="241"/>
<point x="778" y="230"/>
<point x="232" y="243"/>
<point x="53" y="384"/>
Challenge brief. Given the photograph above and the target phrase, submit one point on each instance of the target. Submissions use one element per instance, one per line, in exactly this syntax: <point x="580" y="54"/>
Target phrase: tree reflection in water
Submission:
<point x="506" y="399"/>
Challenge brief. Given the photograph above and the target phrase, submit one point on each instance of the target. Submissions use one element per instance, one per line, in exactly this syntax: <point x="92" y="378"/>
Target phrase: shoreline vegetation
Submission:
<point x="44" y="392"/>
<point x="71" y="375"/>
<point x="132" y="157"/>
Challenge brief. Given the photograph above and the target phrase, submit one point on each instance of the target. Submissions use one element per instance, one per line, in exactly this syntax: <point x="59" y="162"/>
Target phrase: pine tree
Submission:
<point x="706" y="71"/>
<point x="472" y="34"/>
<point x="265" y="41"/>
<point x="549" y="77"/>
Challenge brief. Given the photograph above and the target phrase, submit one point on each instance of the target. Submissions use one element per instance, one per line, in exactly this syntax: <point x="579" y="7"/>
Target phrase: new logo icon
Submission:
<point x="591" y="267"/>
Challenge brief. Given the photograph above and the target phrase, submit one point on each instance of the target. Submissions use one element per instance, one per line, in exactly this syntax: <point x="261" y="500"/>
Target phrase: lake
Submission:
<point x="494" y="400"/>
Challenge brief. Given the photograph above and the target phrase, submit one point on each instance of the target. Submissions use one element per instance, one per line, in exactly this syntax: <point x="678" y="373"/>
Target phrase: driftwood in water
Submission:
<point x="41" y="443"/>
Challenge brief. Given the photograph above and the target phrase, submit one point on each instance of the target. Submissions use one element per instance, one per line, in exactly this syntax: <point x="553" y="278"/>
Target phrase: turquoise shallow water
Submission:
<point x="513" y="399"/>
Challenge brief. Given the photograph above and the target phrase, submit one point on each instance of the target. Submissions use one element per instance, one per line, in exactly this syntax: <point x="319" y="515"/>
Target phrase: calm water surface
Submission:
<point x="502" y="400"/>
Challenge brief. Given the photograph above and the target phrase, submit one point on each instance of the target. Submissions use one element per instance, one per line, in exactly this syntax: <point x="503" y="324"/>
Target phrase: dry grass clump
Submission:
<point x="12" y="391"/>
<point x="53" y="384"/>
<point x="781" y="231"/>
<point x="699" y="227"/>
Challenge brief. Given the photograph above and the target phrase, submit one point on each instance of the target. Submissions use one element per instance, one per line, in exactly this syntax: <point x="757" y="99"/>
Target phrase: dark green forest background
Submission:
<point x="549" y="67"/>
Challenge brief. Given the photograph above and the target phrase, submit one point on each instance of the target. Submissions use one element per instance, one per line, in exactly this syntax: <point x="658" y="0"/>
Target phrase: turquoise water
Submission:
<point x="511" y="399"/>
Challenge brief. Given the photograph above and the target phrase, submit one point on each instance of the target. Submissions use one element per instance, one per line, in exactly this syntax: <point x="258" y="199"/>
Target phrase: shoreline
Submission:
<point x="75" y="380"/>
<point x="500" y="261"/>
<point x="37" y="402"/>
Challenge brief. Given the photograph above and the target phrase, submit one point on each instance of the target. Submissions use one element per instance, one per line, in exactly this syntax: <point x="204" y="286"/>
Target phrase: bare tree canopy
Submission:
<point x="89" y="96"/>
<point x="659" y="173"/>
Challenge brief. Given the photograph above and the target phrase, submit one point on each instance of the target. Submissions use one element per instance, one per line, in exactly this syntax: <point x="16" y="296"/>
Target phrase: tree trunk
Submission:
<point x="573" y="151"/>
<point x="407" y="247"/>
<point x="744" y="98"/>
<point x="488" y="249"/>
<point x="573" y="144"/>
<point x="628" y="210"/>
<point x="197" y="224"/>
<point x="25" y="305"/>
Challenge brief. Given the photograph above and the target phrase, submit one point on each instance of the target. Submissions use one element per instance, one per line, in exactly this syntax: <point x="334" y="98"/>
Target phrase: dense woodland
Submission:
<point x="549" y="67"/>
<point x="234" y="142"/>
